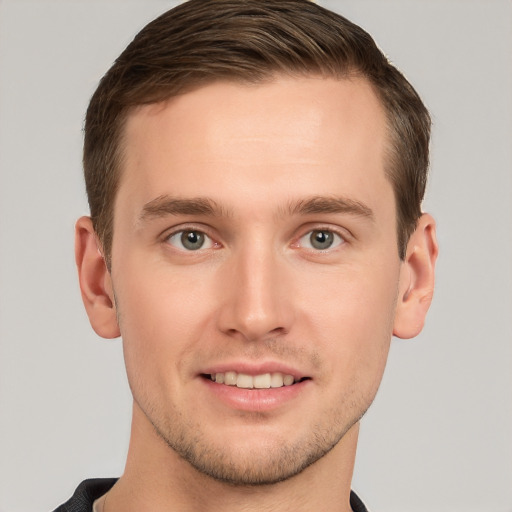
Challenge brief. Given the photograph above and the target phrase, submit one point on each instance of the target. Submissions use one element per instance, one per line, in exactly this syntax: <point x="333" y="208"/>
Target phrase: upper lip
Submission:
<point x="251" y="368"/>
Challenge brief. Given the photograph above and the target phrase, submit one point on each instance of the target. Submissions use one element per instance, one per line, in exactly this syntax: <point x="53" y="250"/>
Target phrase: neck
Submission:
<point x="158" y="479"/>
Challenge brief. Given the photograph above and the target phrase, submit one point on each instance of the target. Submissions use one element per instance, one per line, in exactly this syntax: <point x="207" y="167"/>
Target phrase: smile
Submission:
<point x="262" y="381"/>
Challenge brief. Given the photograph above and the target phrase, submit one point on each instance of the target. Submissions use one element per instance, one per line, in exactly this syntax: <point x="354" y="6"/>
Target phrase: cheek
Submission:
<point x="161" y="318"/>
<point x="157" y="300"/>
<point x="353" y="321"/>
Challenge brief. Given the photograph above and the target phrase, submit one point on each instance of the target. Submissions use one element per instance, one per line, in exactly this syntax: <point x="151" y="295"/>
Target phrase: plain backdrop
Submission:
<point x="439" y="435"/>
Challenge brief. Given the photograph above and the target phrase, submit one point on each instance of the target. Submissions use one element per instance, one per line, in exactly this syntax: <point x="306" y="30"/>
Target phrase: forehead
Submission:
<point x="306" y="134"/>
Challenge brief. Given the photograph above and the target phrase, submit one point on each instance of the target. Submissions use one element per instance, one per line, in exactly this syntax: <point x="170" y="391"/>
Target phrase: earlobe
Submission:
<point x="95" y="281"/>
<point x="416" y="285"/>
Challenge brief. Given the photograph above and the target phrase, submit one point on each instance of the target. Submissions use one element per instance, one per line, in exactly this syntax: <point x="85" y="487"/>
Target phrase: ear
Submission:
<point x="416" y="286"/>
<point x="95" y="280"/>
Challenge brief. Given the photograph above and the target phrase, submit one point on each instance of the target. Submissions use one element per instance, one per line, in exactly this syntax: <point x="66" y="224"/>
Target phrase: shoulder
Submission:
<point x="356" y="504"/>
<point x="85" y="495"/>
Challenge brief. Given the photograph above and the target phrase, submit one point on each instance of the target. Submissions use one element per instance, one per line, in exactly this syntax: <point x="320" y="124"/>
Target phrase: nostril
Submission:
<point x="278" y="331"/>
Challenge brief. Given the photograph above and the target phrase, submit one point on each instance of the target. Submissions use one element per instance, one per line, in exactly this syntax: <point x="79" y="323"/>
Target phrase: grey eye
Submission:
<point x="321" y="240"/>
<point x="190" y="240"/>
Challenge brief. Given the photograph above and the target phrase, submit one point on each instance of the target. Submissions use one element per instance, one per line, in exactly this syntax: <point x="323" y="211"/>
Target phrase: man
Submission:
<point x="255" y="171"/>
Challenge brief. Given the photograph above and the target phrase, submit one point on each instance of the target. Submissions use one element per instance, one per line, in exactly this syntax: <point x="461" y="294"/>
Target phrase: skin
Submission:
<point x="257" y="294"/>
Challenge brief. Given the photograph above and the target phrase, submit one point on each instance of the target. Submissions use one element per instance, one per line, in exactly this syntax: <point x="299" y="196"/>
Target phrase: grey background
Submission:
<point x="439" y="436"/>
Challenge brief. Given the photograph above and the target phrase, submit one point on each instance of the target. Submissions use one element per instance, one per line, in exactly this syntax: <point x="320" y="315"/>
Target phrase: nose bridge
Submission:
<point x="256" y="307"/>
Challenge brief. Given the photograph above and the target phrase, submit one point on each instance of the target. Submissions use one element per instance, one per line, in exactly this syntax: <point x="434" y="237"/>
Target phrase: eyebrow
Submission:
<point x="167" y="205"/>
<point x="322" y="204"/>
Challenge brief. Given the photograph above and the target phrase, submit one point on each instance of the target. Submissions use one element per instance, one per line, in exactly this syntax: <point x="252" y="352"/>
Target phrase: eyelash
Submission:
<point x="339" y="239"/>
<point x="190" y="229"/>
<point x="342" y="239"/>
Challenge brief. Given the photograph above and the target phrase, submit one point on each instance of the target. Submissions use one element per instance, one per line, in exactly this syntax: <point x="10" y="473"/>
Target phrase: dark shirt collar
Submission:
<point x="90" y="490"/>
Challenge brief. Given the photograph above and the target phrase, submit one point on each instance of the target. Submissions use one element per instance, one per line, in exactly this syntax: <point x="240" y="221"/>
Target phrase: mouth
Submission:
<point x="261" y="381"/>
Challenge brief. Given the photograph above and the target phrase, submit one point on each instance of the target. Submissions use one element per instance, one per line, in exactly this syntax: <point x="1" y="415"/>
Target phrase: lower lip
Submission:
<point x="256" y="400"/>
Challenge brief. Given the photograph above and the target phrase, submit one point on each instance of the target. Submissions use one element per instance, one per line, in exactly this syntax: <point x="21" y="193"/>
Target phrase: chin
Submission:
<point x="268" y="459"/>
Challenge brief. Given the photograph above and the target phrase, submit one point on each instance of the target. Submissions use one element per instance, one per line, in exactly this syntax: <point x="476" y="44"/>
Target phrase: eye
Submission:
<point x="190" y="240"/>
<point x="321" y="240"/>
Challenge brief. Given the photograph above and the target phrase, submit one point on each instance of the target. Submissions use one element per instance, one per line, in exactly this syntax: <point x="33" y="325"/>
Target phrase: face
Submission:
<point x="255" y="270"/>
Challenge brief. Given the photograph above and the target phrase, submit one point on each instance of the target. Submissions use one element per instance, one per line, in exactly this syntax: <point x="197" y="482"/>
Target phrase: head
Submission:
<point x="255" y="171"/>
<point x="203" y="41"/>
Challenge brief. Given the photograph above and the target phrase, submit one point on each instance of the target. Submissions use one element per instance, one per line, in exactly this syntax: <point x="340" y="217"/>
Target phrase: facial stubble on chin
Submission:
<point x="280" y="460"/>
<point x="262" y="465"/>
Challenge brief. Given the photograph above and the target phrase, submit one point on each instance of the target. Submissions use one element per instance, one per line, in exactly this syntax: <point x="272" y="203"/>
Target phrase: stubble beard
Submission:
<point x="257" y="466"/>
<point x="264" y="460"/>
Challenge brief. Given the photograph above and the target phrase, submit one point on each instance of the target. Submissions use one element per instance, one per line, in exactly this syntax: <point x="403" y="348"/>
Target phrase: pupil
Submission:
<point x="192" y="240"/>
<point x="321" y="239"/>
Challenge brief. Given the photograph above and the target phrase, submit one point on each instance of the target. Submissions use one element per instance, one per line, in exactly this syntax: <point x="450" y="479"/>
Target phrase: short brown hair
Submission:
<point x="201" y="41"/>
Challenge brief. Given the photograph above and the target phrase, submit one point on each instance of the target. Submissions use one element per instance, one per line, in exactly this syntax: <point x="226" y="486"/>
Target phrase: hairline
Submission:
<point x="266" y="77"/>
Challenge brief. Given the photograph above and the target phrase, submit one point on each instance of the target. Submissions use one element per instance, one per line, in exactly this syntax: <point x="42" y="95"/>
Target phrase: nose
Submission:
<point x="255" y="296"/>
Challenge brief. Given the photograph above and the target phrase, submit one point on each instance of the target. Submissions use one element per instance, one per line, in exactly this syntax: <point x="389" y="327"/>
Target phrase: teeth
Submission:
<point x="263" y="381"/>
<point x="277" y="380"/>
<point x="244" y="381"/>
<point x="230" y="378"/>
<point x="288" y="380"/>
